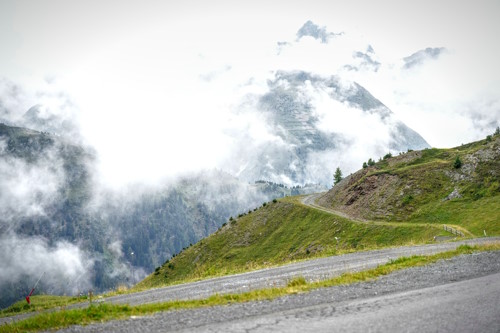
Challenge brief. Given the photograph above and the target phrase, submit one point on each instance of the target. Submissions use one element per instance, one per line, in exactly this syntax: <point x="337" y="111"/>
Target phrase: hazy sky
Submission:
<point x="147" y="79"/>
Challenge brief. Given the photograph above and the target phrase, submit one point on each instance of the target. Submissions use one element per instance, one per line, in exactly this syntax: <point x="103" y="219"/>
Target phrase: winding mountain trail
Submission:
<point x="310" y="200"/>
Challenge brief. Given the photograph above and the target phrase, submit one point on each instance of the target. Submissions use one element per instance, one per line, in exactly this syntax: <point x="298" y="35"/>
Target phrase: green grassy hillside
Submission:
<point x="277" y="233"/>
<point x="413" y="188"/>
<point x="428" y="187"/>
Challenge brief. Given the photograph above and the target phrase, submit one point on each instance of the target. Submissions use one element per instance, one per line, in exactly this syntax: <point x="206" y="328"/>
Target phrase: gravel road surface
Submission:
<point x="317" y="269"/>
<point x="311" y="270"/>
<point x="461" y="294"/>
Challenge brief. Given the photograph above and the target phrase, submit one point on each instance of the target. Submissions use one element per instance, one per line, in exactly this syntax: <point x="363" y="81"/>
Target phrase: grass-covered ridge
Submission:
<point x="280" y="232"/>
<point x="428" y="187"/>
<point x="414" y="188"/>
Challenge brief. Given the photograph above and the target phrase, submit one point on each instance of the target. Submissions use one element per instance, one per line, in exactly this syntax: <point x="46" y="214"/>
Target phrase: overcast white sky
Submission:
<point x="148" y="79"/>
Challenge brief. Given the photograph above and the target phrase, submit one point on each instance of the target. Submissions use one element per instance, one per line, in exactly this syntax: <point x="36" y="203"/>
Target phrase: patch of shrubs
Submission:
<point x="407" y="199"/>
<point x="369" y="163"/>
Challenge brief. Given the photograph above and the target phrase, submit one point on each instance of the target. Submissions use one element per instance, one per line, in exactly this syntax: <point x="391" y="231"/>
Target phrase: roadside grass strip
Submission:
<point x="41" y="303"/>
<point x="101" y="312"/>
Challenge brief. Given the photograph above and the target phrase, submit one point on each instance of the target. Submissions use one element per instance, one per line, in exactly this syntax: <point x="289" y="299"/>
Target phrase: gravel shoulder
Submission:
<point x="458" y="294"/>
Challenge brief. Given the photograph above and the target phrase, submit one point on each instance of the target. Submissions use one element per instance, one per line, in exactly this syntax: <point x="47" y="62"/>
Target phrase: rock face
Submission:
<point x="308" y="131"/>
<point x="421" y="56"/>
<point x="453" y="195"/>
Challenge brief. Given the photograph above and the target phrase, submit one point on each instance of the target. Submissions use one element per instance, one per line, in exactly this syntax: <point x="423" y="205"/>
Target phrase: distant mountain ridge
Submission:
<point x="290" y="111"/>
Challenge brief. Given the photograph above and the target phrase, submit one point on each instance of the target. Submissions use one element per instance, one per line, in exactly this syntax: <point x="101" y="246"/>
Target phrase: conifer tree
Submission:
<point x="337" y="176"/>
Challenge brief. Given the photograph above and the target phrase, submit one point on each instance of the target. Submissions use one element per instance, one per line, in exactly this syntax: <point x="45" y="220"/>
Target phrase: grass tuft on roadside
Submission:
<point x="40" y="303"/>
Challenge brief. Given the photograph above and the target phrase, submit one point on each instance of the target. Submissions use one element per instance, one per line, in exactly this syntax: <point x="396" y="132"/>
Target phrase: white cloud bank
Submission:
<point x="158" y="88"/>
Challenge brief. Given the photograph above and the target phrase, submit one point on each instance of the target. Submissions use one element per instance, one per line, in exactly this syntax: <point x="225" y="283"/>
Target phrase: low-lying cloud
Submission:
<point x="24" y="259"/>
<point x="27" y="189"/>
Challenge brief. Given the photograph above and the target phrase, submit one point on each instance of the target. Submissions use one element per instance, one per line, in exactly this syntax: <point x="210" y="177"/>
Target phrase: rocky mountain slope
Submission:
<point x="309" y="114"/>
<point x="459" y="185"/>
